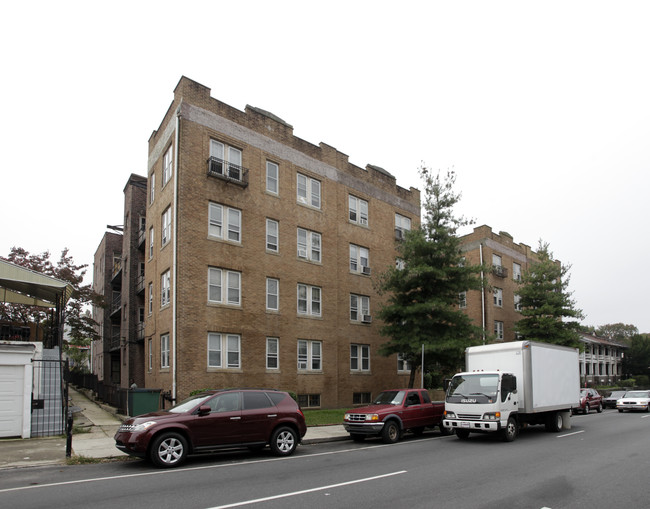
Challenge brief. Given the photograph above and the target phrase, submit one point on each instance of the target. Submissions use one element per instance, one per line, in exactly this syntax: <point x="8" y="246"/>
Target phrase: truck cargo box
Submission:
<point x="548" y="376"/>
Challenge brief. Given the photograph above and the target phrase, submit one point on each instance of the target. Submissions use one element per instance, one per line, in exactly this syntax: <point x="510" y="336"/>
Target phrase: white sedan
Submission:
<point x="634" y="400"/>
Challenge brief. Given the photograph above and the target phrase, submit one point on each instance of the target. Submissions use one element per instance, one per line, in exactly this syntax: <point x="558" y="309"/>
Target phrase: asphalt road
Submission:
<point x="601" y="463"/>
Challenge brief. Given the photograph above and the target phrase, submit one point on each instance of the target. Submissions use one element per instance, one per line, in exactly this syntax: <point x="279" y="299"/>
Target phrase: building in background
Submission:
<point x="601" y="362"/>
<point x="496" y="309"/>
<point x="261" y="249"/>
<point x="118" y="357"/>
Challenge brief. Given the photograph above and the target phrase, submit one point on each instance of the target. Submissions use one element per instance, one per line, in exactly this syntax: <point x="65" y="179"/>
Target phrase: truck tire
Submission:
<point x="448" y="431"/>
<point x="391" y="432"/>
<point x="554" y="422"/>
<point x="510" y="431"/>
<point x="462" y="434"/>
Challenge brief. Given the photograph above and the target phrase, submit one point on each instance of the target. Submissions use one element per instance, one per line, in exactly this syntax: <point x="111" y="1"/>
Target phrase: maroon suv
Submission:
<point x="215" y="420"/>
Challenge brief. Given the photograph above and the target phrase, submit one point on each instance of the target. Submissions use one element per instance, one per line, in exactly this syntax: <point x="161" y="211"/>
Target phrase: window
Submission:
<point x="402" y="364"/>
<point x="164" y="351"/>
<point x="272" y="294"/>
<point x="167" y="167"/>
<point x="309" y="302"/>
<point x="224" y="286"/>
<point x="150" y="298"/>
<point x="309" y="400"/>
<point x="498" y="297"/>
<point x="218" y="344"/>
<point x="166" y="226"/>
<point x="517" y="302"/>
<point x="498" y="329"/>
<point x="360" y="308"/>
<point x="462" y="300"/>
<point x="359" y="357"/>
<point x="309" y="245"/>
<point x="165" y="289"/>
<point x="272" y="353"/>
<point x="402" y="224"/>
<point x="516" y="271"/>
<point x="152" y="190"/>
<point x="309" y="355"/>
<point x="217" y="214"/>
<point x="308" y="190"/>
<point x="358" y="210"/>
<point x="151" y="240"/>
<point x="272" y="173"/>
<point x="360" y="398"/>
<point x="225" y="160"/>
<point x="272" y="234"/>
<point x="359" y="259"/>
<point x="150" y="353"/>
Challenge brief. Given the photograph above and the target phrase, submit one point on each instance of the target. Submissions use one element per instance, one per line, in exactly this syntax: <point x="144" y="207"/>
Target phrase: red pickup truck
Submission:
<point x="392" y="413"/>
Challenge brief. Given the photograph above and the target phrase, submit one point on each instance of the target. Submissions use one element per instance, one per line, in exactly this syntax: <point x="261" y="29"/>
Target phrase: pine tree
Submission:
<point x="549" y="312"/>
<point x="423" y="291"/>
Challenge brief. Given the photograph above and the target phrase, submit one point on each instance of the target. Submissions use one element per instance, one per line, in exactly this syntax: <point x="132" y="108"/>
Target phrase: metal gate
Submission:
<point x="49" y="397"/>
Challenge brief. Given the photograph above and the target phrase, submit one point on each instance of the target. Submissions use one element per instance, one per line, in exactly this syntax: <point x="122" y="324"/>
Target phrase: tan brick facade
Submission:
<point x="193" y="123"/>
<point x="497" y="303"/>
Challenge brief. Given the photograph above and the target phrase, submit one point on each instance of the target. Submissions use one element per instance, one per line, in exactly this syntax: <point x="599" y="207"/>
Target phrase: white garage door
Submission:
<point x="11" y="400"/>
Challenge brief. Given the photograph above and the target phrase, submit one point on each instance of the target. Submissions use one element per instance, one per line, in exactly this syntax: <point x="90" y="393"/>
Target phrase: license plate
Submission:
<point x="464" y="424"/>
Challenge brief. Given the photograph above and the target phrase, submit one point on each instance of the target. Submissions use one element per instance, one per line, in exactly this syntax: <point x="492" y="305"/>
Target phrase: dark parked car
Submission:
<point x="215" y="420"/>
<point x="589" y="399"/>
<point x="610" y="401"/>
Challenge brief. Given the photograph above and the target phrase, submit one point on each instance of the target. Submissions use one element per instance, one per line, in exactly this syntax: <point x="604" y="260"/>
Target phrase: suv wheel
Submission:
<point x="600" y="408"/>
<point x="168" y="450"/>
<point x="586" y="409"/>
<point x="284" y="441"/>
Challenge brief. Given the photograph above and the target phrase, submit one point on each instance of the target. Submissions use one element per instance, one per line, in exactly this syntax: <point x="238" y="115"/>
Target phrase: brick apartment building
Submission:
<point x="118" y="275"/>
<point x="496" y="309"/>
<point x="260" y="256"/>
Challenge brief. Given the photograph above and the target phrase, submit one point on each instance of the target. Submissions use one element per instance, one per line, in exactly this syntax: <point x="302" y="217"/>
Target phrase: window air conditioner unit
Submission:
<point x="365" y="270"/>
<point x="366" y="319"/>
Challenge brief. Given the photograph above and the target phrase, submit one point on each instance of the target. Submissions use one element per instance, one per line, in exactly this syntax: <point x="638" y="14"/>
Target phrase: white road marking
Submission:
<point x="302" y="492"/>
<point x="571" y="434"/>
<point x="221" y="465"/>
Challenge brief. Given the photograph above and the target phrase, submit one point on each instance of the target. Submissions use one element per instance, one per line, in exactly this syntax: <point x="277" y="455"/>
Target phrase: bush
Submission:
<point x="630" y="382"/>
<point x="642" y="380"/>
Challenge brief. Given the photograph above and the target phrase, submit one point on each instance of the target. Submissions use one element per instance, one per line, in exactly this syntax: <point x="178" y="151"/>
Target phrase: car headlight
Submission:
<point x="492" y="416"/>
<point x="144" y="426"/>
<point x="449" y="414"/>
<point x="372" y="417"/>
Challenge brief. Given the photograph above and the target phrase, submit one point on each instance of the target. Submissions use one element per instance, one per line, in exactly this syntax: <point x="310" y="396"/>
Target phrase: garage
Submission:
<point x="15" y="389"/>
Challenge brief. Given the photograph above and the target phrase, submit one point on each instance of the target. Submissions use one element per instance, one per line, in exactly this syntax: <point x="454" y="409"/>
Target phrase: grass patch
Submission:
<point x="81" y="460"/>
<point x="324" y="417"/>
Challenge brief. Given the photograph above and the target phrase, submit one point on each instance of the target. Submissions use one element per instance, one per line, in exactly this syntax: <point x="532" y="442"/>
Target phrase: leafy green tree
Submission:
<point x="637" y="359"/>
<point x="80" y="325"/>
<point x="423" y="290"/>
<point x="617" y="331"/>
<point x="549" y="312"/>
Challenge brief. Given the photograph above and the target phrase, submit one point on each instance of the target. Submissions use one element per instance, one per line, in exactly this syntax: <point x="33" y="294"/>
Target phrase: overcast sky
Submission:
<point x="541" y="108"/>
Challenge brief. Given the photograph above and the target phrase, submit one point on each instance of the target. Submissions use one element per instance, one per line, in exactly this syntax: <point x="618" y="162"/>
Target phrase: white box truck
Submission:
<point x="510" y="385"/>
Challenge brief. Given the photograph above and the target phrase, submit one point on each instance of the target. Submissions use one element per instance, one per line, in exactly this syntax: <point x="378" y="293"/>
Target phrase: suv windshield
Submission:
<point x="189" y="403"/>
<point x="389" y="398"/>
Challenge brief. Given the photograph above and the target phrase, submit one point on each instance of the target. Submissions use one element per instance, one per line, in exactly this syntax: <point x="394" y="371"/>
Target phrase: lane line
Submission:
<point x="302" y="492"/>
<point x="221" y="465"/>
<point x="571" y="434"/>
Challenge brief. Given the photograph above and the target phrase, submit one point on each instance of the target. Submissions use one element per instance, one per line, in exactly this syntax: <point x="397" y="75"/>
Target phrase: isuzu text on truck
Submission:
<point x="510" y="385"/>
<point x="392" y="413"/>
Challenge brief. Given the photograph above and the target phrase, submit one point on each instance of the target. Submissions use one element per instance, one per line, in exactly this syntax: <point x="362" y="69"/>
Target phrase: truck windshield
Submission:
<point x="389" y="398"/>
<point x="474" y="388"/>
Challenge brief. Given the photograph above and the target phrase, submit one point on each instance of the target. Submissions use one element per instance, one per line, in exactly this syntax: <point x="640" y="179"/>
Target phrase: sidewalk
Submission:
<point x="95" y="425"/>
